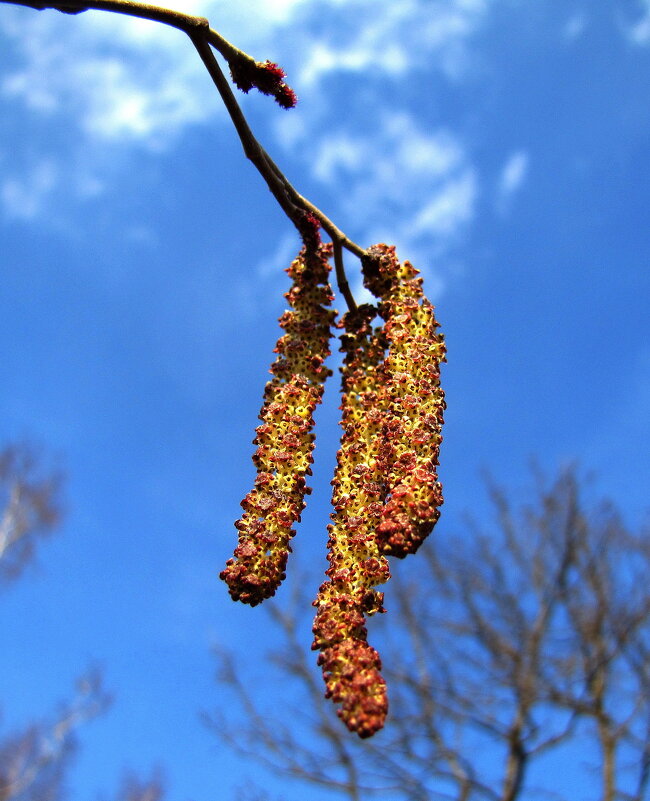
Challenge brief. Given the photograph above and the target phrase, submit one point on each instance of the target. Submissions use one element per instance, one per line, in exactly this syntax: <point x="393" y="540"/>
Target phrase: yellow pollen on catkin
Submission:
<point x="351" y="667"/>
<point x="284" y="439"/>
<point x="412" y="403"/>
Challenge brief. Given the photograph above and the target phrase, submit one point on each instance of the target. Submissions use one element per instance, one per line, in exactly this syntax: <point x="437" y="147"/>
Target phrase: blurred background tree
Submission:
<point x="518" y="662"/>
<point x="34" y="760"/>
<point x="30" y="504"/>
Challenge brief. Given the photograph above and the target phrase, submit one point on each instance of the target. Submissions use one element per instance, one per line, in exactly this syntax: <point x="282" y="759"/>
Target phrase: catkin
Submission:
<point x="411" y="403"/>
<point x="351" y="667"/>
<point x="386" y="494"/>
<point x="284" y="439"/>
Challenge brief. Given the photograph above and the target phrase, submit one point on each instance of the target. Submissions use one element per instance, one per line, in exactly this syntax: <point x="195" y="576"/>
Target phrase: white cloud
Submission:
<point x="286" y="250"/>
<point x="401" y="37"/>
<point x="514" y="172"/>
<point x="24" y="197"/>
<point x="400" y="180"/>
<point x="36" y="187"/>
<point x="416" y="188"/>
<point x="123" y="107"/>
<point x="131" y="82"/>
<point x="639" y="32"/>
<point x="372" y="50"/>
<point x="396" y="182"/>
<point x="575" y="27"/>
<point x="398" y="148"/>
<point x="338" y="153"/>
<point x="450" y="208"/>
<point x="254" y="19"/>
<point x="511" y="178"/>
<point x="122" y="77"/>
<point x="107" y="76"/>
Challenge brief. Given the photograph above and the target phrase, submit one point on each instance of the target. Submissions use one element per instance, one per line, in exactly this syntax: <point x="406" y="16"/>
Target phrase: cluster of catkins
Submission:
<point x="386" y="495"/>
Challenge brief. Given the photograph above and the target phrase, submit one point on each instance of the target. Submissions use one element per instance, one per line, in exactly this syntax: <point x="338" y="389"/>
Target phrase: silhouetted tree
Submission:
<point x="507" y="644"/>
<point x="34" y="760"/>
<point x="30" y="507"/>
<point x="135" y="789"/>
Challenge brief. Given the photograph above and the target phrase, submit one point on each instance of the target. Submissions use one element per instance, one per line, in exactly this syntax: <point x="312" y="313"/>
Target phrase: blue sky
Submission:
<point x="503" y="146"/>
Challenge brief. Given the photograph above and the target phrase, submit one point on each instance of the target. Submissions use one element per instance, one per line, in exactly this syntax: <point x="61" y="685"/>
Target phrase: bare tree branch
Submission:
<point x="513" y="642"/>
<point x="247" y="73"/>
<point x="30" y="507"/>
<point x="33" y="761"/>
<point x="133" y="788"/>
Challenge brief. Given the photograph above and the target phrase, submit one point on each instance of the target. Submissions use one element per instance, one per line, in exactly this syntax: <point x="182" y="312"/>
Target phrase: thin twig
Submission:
<point x="294" y="205"/>
<point x="252" y="149"/>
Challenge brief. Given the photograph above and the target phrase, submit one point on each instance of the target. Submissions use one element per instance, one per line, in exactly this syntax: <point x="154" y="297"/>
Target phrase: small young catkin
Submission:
<point x="411" y="403"/>
<point x="351" y="667"/>
<point x="284" y="439"/>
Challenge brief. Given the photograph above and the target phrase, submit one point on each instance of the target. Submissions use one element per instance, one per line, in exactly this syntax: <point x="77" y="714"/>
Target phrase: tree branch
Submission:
<point x="30" y="507"/>
<point x="203" y="37"/>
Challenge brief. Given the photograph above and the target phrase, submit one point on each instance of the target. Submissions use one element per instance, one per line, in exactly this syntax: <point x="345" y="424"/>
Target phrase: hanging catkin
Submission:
<point x="284" y="439"/>
<point x="351" y="666"/>
<point x="386" y="494"/>
<point x="412" y="402"/>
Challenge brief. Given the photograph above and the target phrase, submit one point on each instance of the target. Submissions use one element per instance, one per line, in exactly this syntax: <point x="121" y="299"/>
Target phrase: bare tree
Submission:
<point x="30" y="507"/>
<point x="135" y="789"/>
<point x="34" y="761"/>
<point x="513" y="645"/>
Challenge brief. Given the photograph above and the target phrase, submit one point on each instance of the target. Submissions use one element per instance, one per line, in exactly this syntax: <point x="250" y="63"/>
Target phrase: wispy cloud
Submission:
<point x="511" y="178"/>
<point x="40" y="184"/>
<point x="401" y="177"/>
<point x="114" y="85"/>
<point x="280" y="258"/>
<point x="450" y="208"/>
<point x="107" y="75"/>
<point x="575" y="26"/>
<point x="639" y="31"/>
<point x="130" y="83"/>
<point x="128" y="78"/>
<point x="394" y="41"/>
<point x="24" y="196"/>
<point x="120" y="78"/>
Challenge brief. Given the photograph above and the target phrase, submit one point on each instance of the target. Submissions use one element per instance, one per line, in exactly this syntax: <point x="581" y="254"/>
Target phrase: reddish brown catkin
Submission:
<point x="266" y="76"/>
<point x="351" y="667"/>
<point x="412" y="402"/>
<point x="284" y="439"/>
